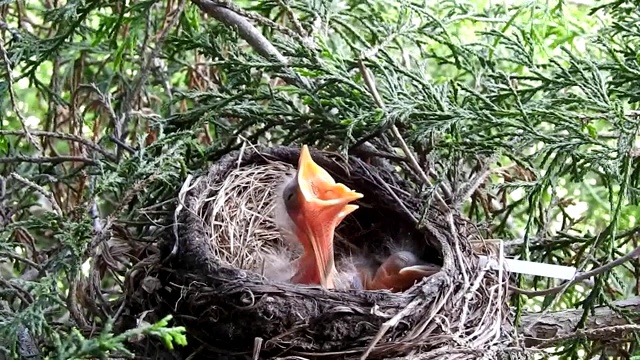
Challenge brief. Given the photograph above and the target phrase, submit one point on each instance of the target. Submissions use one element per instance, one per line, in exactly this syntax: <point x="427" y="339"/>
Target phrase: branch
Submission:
<point x="370" y="83"/>
<point x="41" y="190"/>
<point x="63" y="136"/>
<point x="246" y="30"/>
<point x="253" y="37"/>
<point x="604" y="324"/>
<point x="14" y="102"/>
<point x="45" y="159"/>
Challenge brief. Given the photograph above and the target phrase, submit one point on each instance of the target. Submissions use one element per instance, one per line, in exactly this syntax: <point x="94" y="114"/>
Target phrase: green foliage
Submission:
<point x="542" y="96"/>
<point x="76" y="346"/>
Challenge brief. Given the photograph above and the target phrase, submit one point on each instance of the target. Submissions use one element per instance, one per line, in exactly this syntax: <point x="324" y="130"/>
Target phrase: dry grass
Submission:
<point x="241" y="216"/>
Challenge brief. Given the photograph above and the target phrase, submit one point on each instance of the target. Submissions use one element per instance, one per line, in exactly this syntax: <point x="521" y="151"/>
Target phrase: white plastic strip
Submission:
<point x="532" y="268"/>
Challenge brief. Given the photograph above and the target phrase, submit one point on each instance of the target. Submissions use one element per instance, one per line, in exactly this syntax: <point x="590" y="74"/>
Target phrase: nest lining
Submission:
<point x="247" y="194"/>
<point x="207" y="287"/>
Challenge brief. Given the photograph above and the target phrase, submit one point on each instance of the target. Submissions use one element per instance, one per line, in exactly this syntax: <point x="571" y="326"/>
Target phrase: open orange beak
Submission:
<point x="317" y="205"/>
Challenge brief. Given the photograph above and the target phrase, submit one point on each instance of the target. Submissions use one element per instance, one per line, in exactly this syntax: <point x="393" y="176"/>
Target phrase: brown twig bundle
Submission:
<point x="224" y="221"/>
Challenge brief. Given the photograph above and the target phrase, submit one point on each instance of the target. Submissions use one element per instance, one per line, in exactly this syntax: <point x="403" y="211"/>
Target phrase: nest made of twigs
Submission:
<point x="224" y="219"/>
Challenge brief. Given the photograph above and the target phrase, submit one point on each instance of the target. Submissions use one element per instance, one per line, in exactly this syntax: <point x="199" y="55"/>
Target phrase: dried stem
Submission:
<point x="368" y="79"/>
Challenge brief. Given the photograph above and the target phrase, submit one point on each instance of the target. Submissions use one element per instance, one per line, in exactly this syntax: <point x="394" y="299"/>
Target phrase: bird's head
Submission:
<point x="316" y="205"/>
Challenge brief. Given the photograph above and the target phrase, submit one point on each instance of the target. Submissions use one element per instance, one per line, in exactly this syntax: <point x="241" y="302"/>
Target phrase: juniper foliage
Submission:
<point x="108" y="105"/>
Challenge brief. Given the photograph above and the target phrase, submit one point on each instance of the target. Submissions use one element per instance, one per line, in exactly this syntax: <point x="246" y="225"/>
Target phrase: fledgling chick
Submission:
<point x="310" y="206"/>
<point x="314" y="205"/>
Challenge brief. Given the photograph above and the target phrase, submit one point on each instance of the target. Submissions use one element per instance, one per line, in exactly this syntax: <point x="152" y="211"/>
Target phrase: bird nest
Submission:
<point x="210" y="278"/>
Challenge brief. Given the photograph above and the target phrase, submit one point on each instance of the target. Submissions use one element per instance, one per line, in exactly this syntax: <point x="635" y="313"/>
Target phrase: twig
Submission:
<point x="366" y="149"/>
<point x="21" y="259"/>
<point x="395" y="197"/>
<point x="63" y="136"/>
<point x="294" y="19"/>
<point x="39" y="189"/>
<point x="121" y="143"/>
<point x="12" y="96"/>
<point x="579" y="278"/>
<point x="435" y="309"/>
<point x="389" y="324"/>
<point x="45" y="159"/>
<point x="472" y="186"/>
<point x="23" y="294"/>
<point x="368" y="79"/>
<point x="145" y="69"/>
<point x="300" y="36"/>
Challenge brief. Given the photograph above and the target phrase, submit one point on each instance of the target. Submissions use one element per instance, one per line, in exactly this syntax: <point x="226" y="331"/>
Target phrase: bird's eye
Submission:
<point x="289" y="194"/>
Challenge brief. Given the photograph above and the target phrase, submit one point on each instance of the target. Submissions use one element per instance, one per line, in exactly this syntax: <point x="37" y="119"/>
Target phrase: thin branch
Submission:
<point x="21" y="259"/>
<point x="246" y="30"/>
<point x="300" y="35"/>
<point x="45" y="159"/>
<point x="253" y="37"/>
<point x="121" y="144"/>
<point x="41" y="190"/>
<point x="63" y="136"/>
<point x="368" y="79"/>
<point x="14" y="102"/>
<point x="294" y="19"/>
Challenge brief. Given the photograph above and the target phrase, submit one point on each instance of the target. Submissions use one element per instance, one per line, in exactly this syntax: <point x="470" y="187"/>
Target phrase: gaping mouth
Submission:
<point x="317" y="205"/>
